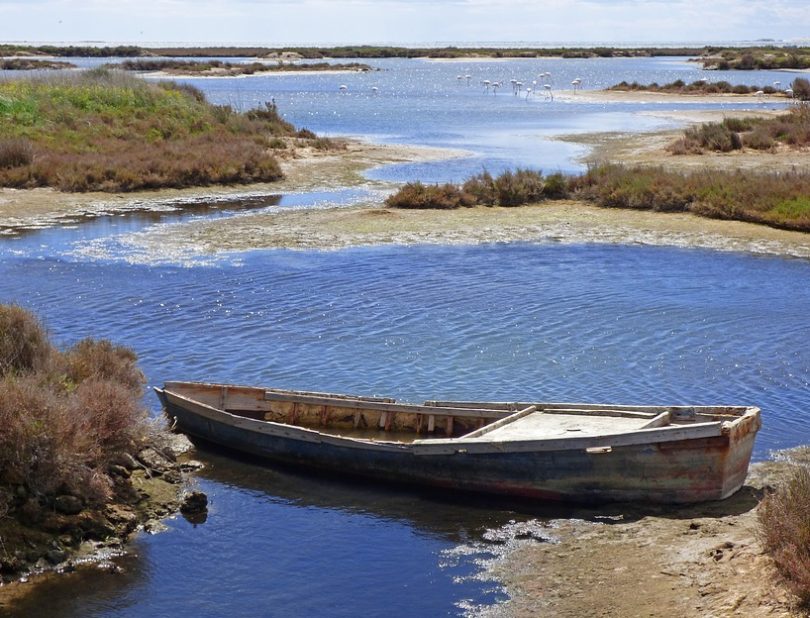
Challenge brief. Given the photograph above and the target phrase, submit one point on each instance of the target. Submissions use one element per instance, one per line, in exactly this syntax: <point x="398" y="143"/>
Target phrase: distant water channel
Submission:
<point x="597" y="323"/>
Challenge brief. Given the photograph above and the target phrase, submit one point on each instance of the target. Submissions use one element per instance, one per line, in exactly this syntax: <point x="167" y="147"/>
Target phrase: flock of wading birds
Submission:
<point x="517" y="86"/>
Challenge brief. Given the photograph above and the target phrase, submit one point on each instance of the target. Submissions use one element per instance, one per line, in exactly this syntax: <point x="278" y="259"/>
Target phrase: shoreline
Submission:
<point x="695" y="561"/>
<point x="559" y="222"/>
<point x="203" y="75"/>
<point x="305" y="170"/>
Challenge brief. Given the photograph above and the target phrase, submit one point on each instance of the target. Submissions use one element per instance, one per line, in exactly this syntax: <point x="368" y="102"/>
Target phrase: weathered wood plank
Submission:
<point x="385" y="407"/>
<point x="498" y="424"/>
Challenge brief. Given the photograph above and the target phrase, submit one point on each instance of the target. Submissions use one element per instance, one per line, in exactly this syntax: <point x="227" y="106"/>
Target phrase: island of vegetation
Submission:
<point x="779" y="200"/>
<point x="753" y="58"/>
<point x="33" y="64"/>
<point x="789" y="131"/>
<point x="103" y="130"/>
<point x="82" y="465"/>
<point x="698" y="87"/>
<point x="219" y="68"/>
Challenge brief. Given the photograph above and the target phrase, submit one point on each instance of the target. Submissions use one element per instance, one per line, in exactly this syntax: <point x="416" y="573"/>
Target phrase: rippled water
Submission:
<point x="539" y="321"/>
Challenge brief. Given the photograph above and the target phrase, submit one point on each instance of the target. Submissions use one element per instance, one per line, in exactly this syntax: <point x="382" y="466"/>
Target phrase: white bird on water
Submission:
<point x="374" y="90"/>
<point x="576" y="83"/>
<point x="548" y="91"/>
<point x="343" y="88"/>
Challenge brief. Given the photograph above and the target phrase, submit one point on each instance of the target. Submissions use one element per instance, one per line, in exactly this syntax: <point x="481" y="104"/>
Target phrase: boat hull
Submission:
<point x="679" y="471"/>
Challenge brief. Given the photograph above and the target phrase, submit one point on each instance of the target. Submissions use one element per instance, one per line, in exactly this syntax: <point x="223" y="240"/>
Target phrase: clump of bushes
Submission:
<point x="792" y="129"/>
<point x="65" y="416"/>
<point x="508" y="189"/>
<point x="784" y="525"/>
<point x="696" y="87"/>
<point x="780" y="200"/>
<point x="15" y="152"/>
<point x="107" y="131"/>
<point x="416" y="195"/>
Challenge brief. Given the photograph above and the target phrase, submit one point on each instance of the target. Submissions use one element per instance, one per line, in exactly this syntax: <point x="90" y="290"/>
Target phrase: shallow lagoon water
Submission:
<point x="514" y="321"/>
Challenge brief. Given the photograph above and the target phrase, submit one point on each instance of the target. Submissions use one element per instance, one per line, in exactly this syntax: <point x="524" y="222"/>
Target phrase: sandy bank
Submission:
<point x="691" y="562"/>
<point x="305" y="170"/>
<point x="559" y="222"/>
<point x="621" y="96"/>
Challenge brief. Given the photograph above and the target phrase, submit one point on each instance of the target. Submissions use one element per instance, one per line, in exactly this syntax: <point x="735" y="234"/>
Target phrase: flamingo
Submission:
<point x="486" y="84"/>
<point x="548" y="91"/>
<point x="374" y="90"/>
<point x="528" y="92"/>
<point x="495" y="87"/>
<point x="789" y="92"/>
<point x="576" y="83"/>
<point x="343" y="88"/>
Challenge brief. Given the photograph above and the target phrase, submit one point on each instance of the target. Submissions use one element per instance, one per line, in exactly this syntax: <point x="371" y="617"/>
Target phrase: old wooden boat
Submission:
<point x="547" y="451"/>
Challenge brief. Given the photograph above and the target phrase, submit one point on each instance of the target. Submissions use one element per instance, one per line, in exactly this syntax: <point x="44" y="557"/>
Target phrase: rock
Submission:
<point x="68" y="505"/>
<point x="172" y="476"/>
<point x="154" y="460"/>
<point x="195" y="507"/>
<point x="126" y="460"/>
<point x="55" y="556"/>
<point x="119" y="470"/>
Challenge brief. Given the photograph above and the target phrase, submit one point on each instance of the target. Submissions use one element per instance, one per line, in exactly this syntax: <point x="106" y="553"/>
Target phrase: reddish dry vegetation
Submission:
<point x="779" y="200"/>
<point x="106" y="131"/>
<point x="784" y="518"/>
<point x="66" y="417"/>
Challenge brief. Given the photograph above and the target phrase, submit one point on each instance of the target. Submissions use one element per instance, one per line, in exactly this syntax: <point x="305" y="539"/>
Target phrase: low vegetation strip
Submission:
<point x="357" y="51"/>
<point x="103" y="130"/>
<point x="791" y="130"/>
<point x="222" y="68"/>
<point x="779" y="200"/>
<point x="752" y="58"/>
<point x="32" y="64"/>
<point x="697" y="87"/>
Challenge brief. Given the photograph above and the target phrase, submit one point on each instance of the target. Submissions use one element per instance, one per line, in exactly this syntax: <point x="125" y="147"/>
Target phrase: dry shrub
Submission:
<point x="24" y="344"/>
<point x="784" y="525"/>
<point x="64" y="416"/>
<point x="92" y="359"/>
<point x="113" y="415"/>
<point x="519" y="187"/>
<point x="416" y="195"/>
<point x="15" y="152"/>
<point x="482" y="188"/>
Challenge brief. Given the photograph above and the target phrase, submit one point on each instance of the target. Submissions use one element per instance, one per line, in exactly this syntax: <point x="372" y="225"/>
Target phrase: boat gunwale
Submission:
<point x="463" y="444"/>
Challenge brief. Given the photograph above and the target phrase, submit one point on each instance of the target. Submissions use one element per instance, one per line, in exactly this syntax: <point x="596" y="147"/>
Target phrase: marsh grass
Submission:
<point x="64" y="415"/>
<point x="791" y="129"/>
<point x="779" y="200"/>
<point x="508" y="189"/>
<point x="107" y="131"/>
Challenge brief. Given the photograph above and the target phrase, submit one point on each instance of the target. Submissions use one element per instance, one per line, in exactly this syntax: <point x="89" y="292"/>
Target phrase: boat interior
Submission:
<point x="385" y="419"/>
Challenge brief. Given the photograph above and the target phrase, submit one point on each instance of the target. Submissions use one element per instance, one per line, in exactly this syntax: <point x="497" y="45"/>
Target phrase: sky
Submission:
<point x="415" y="22"/>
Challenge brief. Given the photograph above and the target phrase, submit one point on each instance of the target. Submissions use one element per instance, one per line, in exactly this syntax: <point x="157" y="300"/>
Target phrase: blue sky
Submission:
<point x="280" y="22"/>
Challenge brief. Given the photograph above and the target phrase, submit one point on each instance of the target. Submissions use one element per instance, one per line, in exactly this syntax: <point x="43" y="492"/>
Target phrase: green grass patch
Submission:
<point x="107" y="131"/>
